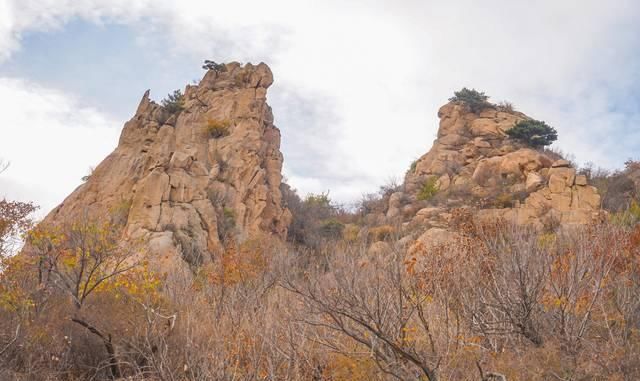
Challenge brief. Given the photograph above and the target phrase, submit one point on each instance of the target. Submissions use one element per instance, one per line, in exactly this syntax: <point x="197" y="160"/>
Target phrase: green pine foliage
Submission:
<point x="429" y="189"/>
<point x="534" y="133"/>
<point x="472" y="98"/>
<point x="173" y="102"/>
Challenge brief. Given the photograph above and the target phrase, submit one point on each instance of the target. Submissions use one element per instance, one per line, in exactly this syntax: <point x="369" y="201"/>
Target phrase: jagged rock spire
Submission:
<point x="191" y="179"/>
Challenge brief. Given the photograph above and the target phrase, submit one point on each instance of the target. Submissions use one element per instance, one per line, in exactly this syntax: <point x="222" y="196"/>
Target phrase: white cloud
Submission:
<point x="380" y="69"/>
<point x="50" y="141"/>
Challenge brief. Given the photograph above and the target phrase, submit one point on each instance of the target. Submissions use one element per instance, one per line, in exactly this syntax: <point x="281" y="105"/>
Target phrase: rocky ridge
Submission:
<point x="474" y="164"/>
<point x="187" y="180"/>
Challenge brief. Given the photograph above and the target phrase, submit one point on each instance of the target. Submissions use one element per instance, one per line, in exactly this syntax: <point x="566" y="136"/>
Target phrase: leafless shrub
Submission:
<point x="496" y="300"/>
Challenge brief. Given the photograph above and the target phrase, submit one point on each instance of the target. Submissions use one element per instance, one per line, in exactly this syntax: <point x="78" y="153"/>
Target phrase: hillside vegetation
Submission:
<point x="495" y="259"/>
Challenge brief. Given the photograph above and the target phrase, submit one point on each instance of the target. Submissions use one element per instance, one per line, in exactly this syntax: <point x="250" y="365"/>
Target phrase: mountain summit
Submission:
<point x="475" y="165"/>
<point x="188" y="175"/>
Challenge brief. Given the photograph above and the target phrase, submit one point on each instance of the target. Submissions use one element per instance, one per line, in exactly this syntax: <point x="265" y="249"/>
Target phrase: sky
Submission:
<point x="357" y="83"/>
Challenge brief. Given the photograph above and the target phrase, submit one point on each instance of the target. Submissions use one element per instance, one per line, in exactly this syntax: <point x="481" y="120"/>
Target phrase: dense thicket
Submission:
<point x="500" y="300"/>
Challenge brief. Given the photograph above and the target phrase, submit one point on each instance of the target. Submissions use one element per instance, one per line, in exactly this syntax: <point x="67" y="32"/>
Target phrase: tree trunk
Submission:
<point x="106" y="340"/>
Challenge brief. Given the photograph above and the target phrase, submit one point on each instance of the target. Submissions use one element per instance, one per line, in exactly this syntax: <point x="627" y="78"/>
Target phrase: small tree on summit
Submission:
<point x="474" y="99"/>
<point x="534" y="133"/>
<point x="212" y="65"/>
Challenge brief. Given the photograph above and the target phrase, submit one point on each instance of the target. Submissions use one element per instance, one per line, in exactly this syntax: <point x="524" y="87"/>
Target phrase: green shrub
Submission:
<point x="331" y="228"/>
<point x="412" y="167"/>
<point x="534" y="133"/>
<point x="629" y="217"/>
<point x="212" y="65"/>
<point x="320" y="200"/>
<point x="381" y="233"/>
<point x="229" y="214"/>
<point x="475" y="100"/>
<point x="173" y="102"/>
<point x="226" y="224"/>
<point x="218" y="128"/>
<point x="429" y="189"/>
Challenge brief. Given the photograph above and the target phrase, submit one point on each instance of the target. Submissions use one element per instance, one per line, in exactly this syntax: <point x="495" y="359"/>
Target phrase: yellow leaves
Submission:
<point x="15" y="300"/>
<point x="42" y="236"/>
<point x="554" y="302"/>
<point x="216" y="128"/>
<point x="239" y="264"/>
<point x="139" y="284"/>
<point x="348" y="368"/>
<point x="546" y="240"/>
<point x="14" y="297"/>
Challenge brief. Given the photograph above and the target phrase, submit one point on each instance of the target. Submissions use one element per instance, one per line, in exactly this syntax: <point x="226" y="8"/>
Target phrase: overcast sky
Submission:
<point x="357" y="83"/>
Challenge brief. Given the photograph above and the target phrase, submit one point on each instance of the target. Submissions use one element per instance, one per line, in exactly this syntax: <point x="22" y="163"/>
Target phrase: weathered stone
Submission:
<point x="395" y="200"/>
<point x="426" y="213"/>
<point x="477" y="165"/>
<point x="586" y="197"/>
<point x="523" y="161"/>
<point x="181" y="180"/>
<point x="481" y="143"/>
<point x="436" y="238"/>
<point x="393" y="212"/>
<point x="581" y="180"/>
<point x="443" y="182"/>
<point x="561" y="164"/>
<point x="561" y="178"/>
<point x="533" y="182"/>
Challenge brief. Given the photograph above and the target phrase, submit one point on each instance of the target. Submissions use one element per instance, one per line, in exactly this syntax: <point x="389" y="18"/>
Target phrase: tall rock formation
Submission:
<point x="474" y="164"/>
<point x="188" y="178"/>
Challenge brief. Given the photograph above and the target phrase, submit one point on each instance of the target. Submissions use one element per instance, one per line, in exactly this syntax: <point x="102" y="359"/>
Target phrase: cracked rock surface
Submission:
<point x="184" y="188"/>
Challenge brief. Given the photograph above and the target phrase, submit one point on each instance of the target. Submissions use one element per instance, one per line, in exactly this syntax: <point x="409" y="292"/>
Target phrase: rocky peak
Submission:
<point x="195" y="175"/>
<point x="474" y="164"/>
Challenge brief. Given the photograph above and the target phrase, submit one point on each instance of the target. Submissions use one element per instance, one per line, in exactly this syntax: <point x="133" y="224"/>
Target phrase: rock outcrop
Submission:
<point x="474" y="164"/>
<point x="188" y="178"/>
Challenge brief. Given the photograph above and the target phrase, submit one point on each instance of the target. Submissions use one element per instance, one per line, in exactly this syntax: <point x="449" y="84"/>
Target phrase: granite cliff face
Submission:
<point x="187" y="180"/>
<point x="475" y="165"/>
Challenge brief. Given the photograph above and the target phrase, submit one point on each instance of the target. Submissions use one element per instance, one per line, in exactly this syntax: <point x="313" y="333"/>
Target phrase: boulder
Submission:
<point x="561" y="164"/>
<point x="533" y="182"/>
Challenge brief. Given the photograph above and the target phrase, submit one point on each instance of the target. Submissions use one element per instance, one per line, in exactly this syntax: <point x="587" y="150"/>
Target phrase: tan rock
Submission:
<point x="393" y="212"/>
<point x="484" y="126"/>
<point x="483" y="166"/>
<point x="181" y="181"/>
<point x="561" y="201"/>
<point x="427" y="213"/>
<point x="533" y="182"/>
<point x="487" y="169"/>
<point x="481" y="143"/>
<point x="443" y="182"/>
<point x="523" y="161"/>
<point x="560" y="178"/>
<point x="586" y="197"/>
<point x="395" y="200"/>
<point x="581" y="180"/>
<point x="436" y="238"/>
<point x="561" y="164"/>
